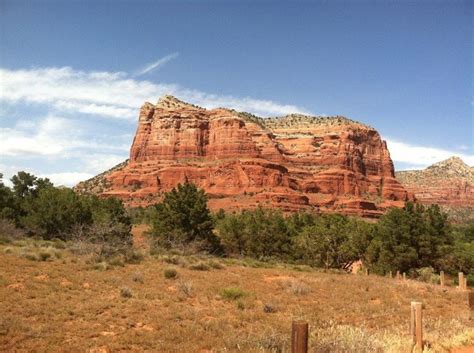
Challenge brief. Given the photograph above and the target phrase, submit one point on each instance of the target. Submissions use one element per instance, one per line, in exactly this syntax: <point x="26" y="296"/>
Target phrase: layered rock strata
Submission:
<point x="327" y="164"/>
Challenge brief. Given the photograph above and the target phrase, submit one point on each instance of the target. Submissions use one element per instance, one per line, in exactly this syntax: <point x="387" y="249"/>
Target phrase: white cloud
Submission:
<point x="51" y="136"/>
<point x="112" y="94"/>
<point x="421" y="156"/>
<point x="98" y="163"/>
<point x="157" y="64"/>
<point x="66" y="178"/>
<point x="95" y="109"/>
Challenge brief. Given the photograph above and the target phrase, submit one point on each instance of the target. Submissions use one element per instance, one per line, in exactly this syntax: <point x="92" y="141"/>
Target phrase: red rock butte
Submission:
<point x="447" y="183"/>
<point x="294" y="162"/>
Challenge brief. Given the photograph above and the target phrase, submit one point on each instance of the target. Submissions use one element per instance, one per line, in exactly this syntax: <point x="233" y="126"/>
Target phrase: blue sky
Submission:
<point x="74" y="73"/>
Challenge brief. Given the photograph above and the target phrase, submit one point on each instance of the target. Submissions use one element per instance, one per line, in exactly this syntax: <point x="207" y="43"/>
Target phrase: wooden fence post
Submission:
<point x="416" y="325"/>
<point x="299" y="337"/>
<point x="398" y="274"/>
<point x="441" y="279"/>
<point x="366" y="271"/>
<point x="390" y="274"/>
<point x="404" y="276"/>
<point x="461" y="282"/>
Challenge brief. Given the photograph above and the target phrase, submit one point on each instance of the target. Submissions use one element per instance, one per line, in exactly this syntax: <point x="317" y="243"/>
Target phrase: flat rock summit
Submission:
<point x="294" y="162"/>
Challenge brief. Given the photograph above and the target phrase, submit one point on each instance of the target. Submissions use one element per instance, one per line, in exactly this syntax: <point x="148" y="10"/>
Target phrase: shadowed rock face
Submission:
<point x="243" y="161"/>
<point x="448" y="183"/>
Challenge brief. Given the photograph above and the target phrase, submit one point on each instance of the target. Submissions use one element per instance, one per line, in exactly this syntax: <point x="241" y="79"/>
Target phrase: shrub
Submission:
<point x="299" y="288"/>
<point x="240" y="305"/>
<point x="170" y="273"/>
<point x="32" y="256"/>
<point x="232" y="293"/>
<point x="427" y="274"/>
<point x="174" y="260"/>
<point x="183" y="220"/>
<point x="215" y="265"/>
<point x="126" y="292"/>
<point x="185" y="288"/>
<point x="133" y="256"/>
<point x="200" y="266"/>
<point x="101" y="266"/>
<point x="115" y="261"/>
<point x="269" y="308"/>
<point x="137" y="277"/>
<point x="44" y="255"/>
<point x="54" y="212"/>
<point x="9" y="232"/>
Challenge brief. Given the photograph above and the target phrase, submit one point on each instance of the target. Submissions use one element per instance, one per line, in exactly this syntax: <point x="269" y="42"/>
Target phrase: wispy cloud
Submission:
<point x="51" y="136"/>
<point x="415" y="156"/>
<point x="113" y="94"/>
<point x="156" y="64"/>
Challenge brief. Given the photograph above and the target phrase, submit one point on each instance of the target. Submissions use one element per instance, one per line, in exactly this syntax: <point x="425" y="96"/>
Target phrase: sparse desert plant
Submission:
<point x="215" y="264"/>
<point x="427" y="274"/>
<point x="269" y="308"/>
<point x="44" y="254"/>
<point x="170" y="273"/>
<point x="133" y="256"/>
<point x="173" y="259"/>
<point x="240" y="305"/>
<point x="100" y="266"/>
<point x="185" y="287"/>
<point x="115" y="261"/>
<point x="126" y="292"/>
<point x="232" y="293"/>
<point x="8" y="231"/>
<point x="31" y="256"/>
<point x="299" y="288"/>
<point x="200" y="266"/>
<point x="137" y="277"/>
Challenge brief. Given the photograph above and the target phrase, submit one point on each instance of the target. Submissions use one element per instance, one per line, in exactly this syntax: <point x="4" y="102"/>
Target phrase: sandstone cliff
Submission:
<point x="449" y="183"/>
<point x="242" y="161"/>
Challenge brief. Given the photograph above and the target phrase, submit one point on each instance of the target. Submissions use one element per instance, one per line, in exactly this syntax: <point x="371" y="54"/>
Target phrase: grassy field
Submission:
<point x="170" y="303"/>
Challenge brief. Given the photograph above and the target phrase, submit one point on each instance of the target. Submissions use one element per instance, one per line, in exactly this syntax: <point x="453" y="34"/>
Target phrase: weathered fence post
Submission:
<point x="390" y="274"/>
<point x="299" y="337"/>
<point x="404" y="276"/>
<point x="398" y="274"/>
<point x="441" y="278"/>
<point x="416" y="325"/>
<point x="461" y="281"/>
<point x="366" y="271"/>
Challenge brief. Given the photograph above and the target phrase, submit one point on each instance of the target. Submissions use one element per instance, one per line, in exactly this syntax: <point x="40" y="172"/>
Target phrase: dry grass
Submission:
<point x="65" y="304"/>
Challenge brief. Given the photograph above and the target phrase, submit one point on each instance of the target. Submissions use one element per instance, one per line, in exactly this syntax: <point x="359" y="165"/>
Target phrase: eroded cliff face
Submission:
<point x="242" y="161"/>
<point x="448" y="183"/>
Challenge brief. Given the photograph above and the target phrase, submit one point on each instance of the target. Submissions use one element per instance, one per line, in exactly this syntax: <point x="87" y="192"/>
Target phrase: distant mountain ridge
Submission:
<point x="449" y="183"/>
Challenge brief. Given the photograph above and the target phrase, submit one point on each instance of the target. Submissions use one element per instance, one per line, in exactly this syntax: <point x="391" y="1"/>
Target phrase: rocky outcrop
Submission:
<point x="449" y="183"/>
<point x="242" y="161"/>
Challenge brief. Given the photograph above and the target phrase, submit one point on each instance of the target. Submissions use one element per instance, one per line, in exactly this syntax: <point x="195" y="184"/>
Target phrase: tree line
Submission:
<point x="404" y="239"/>
<point x="407" y="239"/>
<point x="37" y="207"/>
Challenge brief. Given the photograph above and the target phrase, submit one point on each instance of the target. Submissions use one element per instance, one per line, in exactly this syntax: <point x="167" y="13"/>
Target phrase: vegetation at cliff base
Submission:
<point x="183" y="219"/>
<point x="408" y="239"/>
<point x="412" y="239"/>
<point x="37" y="208"/>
